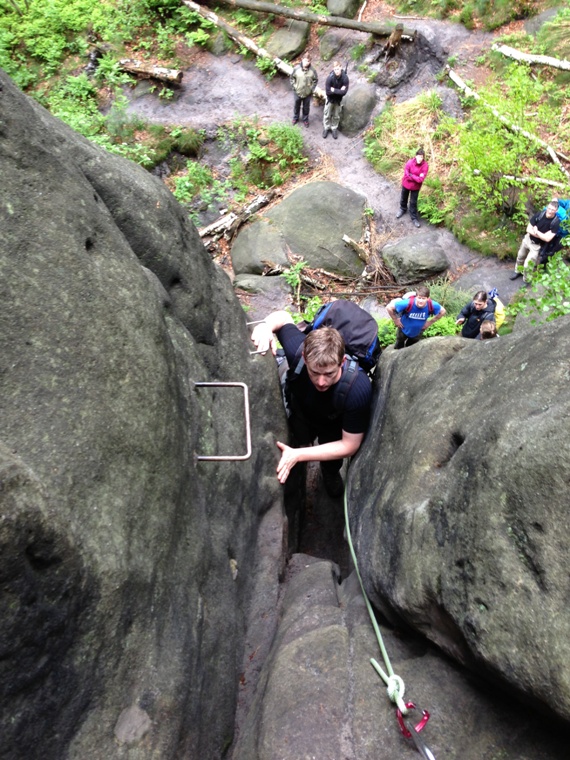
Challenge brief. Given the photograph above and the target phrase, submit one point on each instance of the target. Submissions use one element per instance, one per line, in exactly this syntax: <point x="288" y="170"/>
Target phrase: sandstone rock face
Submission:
<point x="460" y="503"/>
<point x="125" y="563"/>
<point x="415" y="257"/>
<point x="318" y="695"/>
<point x="343" y="8"/>
<point x="310" y="223"/>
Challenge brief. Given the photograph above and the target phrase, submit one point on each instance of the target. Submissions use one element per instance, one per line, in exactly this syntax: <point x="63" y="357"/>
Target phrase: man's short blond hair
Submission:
<point x="323" y="347"/>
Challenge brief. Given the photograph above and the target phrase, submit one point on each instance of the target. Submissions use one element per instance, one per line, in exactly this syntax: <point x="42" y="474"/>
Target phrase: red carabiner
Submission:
<point x="415" y="730"/>
<point x="418" y="727"/>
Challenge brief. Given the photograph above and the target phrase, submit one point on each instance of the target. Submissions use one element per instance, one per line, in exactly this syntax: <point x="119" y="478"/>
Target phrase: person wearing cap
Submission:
<point x="415" y="172"/>
<point x="303" y="81"/>
<point x="336" y="88"/>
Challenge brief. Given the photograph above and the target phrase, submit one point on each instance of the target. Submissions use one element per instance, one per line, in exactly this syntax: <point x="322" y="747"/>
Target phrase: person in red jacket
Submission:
<point x="415" y="172"/>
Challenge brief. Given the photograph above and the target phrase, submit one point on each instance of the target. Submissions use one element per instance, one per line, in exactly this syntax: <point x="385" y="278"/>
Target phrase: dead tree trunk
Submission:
<point x="379" y="29"/>
<point x="173" y="76"/>
<point x="545" y="60"/>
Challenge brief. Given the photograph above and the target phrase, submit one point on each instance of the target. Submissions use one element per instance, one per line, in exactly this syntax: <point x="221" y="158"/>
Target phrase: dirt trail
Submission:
<point x="216" y="90"/>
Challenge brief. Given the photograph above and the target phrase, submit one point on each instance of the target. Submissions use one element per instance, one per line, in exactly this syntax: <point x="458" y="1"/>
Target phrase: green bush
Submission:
<point x="549" y="295"/>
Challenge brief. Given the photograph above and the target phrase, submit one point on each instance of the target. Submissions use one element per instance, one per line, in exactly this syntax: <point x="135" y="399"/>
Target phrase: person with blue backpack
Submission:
<point x="328" y="394"/>
<point x="412" y="315"/>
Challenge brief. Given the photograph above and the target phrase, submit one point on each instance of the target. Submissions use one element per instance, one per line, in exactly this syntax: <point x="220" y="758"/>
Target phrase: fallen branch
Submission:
<point x="554" y="154"/>
<point x="544" y="60"/>
<point x="228" y="224"/>
<point x="379" y="29"/>
<point x="539" y="180"/>
<point x="173" y="76"/>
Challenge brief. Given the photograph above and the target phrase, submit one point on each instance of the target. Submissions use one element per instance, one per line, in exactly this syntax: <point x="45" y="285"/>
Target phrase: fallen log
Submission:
<point x="377" y="28"/>
<point x="228" y="224"/>
<point x="554" y="154"/>
<point x="530" y="180"/>
<point x="173" y="76"/>
<point x="249" y="44"/>
<point x="544" y="60"/>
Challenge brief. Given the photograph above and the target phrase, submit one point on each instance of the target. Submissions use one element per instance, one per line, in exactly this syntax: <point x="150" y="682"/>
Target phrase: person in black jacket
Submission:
<point x="477" y="311"/>
<point x="336" y="88"/>
<point x="542" y="228"/>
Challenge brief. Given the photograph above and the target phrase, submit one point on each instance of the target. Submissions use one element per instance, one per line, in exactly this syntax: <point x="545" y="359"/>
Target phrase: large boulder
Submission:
<point x="126" y="564"/>
<point x="415" y="257"/>
<point x="358" y="103"/>
<point x="343" y="8"/>
<point x="290" y="40"/>
<point x="459" y="501"/>
<point x="309" y="223"/>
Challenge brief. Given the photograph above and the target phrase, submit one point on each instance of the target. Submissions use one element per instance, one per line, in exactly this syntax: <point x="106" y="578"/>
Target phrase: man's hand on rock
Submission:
<point x="287" y="462"/>
<point x="263" y="338"/>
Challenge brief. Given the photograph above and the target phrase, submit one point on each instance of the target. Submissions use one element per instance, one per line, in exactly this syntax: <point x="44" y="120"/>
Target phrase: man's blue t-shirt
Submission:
<point x="414" y="320"/>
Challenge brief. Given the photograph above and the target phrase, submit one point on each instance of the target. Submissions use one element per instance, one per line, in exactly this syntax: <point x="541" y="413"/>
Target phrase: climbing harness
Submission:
<point x="394" y="684"/>
<point x="232" y="457"/>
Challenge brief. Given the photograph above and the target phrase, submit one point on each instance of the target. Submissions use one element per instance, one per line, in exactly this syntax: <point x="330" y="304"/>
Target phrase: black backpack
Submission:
<point x="360" y="334"/>
<point x="357" y="327"/>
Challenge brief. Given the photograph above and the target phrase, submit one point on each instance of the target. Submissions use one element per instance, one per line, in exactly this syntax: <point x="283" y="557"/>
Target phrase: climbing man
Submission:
<point x="313" y="398"/>
<point x="541" y="229"/>
<point x="336" y="88"/>
<point x="303" y="80"/>
<point x="413" y="315"/>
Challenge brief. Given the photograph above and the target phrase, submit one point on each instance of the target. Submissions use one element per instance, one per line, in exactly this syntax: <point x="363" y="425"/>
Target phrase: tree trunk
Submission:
<point x="379" y="29"/>
<point x="173" y="76"/>
<point x="545" y="60"/>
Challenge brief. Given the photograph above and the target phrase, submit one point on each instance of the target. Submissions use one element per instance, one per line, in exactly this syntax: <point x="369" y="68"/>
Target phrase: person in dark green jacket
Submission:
<point x="303" y="80"/>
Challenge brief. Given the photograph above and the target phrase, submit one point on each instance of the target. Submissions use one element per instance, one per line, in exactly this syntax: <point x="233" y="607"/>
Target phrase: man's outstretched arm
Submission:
<point x="263" y="334"/>
<point x="347" y="446"/>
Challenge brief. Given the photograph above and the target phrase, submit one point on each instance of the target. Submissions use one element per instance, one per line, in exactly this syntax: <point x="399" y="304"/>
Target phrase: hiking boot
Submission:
<point x="333" y="484"/>
<point x="416" y="223"/>
<point x="335" y="134"/>
<point x="400" y="213"/>
<point x="515" y="276"/>
<point x="295" y="120"/>
<point x="306" y="122"/>
<point x="325" y="133"/>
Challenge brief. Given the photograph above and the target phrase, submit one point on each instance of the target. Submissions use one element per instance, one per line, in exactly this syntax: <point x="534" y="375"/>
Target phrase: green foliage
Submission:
<point x="199" y="180"/>
<point x="386" y="331"/>
<point x="264" y="157"/>
<point x="109" y="72"/>
<point x="292" y="277"/>
<point x="358" y="51"/>
<point x="490" y="13"/>
<point x="267" y="67"/>
<point x="549" y="295"/>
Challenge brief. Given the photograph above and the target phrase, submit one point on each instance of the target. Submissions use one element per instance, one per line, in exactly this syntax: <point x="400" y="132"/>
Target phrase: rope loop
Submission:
<point x="396" y="688"/>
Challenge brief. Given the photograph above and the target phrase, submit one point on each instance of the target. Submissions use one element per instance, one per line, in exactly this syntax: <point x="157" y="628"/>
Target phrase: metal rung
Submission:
<point x="238" y="457"/>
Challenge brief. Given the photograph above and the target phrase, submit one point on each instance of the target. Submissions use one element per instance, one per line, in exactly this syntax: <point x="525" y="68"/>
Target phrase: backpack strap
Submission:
<point x="350" y="369"/>
<point x="410" y="305"/>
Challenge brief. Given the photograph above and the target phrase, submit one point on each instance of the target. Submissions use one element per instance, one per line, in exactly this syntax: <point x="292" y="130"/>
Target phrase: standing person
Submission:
<point x="541" y="229"/>
<point x="313" y="403"/>
<point x="336" y="87"/>
<point x="303" y="80"/>
<point x="415" y="172"/>
<point x="477" y="311"/>
<point x="413" y="315"/>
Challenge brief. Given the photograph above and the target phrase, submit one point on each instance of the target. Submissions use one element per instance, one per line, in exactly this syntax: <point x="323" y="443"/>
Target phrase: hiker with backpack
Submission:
<point x="412" y="315"/>
<point x="542" y="228"/>
<point x="477" y="311"/>
<point x="328" y="394"/>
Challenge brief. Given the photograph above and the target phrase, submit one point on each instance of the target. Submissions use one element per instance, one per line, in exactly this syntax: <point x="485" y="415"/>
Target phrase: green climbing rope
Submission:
<point x="394" y="684"/>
